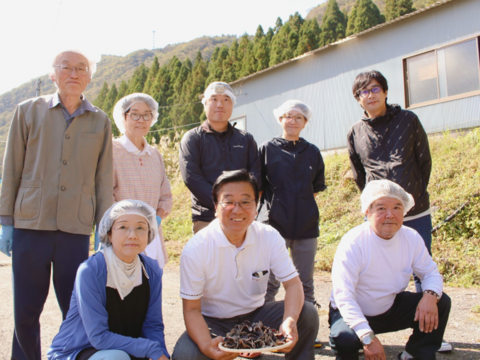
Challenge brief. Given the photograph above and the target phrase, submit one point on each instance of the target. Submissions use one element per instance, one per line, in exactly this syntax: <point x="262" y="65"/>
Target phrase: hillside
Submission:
<point x="112" y="69"/>
<point x="452" y="184"/>
<point x="345" y="5"/>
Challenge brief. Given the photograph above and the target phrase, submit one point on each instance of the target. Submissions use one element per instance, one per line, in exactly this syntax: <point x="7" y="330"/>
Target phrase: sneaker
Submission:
<point x="446" y="347"/>
<point x="400" y="357"/>
<point x="318" y="343"/>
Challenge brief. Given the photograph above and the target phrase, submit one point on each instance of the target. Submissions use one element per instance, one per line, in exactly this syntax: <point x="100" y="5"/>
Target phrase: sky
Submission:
<point x="34" y="31"/>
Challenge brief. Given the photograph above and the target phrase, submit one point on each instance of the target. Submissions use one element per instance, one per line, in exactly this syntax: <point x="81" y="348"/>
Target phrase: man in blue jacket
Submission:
<point x="213" y="147"/>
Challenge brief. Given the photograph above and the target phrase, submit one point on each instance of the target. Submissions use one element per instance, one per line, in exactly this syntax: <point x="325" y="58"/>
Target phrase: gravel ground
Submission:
<point x="463" y="330"/>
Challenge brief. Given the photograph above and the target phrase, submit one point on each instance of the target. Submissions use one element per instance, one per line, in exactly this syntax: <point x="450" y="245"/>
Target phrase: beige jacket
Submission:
<point x="54" y="177"/>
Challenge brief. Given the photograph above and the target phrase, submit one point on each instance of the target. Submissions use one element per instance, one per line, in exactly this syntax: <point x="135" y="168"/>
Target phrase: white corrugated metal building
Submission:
<point x="429" y="57"/>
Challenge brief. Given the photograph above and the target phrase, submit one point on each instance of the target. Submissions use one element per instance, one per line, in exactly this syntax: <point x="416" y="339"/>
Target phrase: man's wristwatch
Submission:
<point x="431" y="292"/>
<point x="368" y="338"/>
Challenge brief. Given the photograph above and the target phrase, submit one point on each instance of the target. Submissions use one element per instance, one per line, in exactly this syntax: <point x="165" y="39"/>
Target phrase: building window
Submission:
<point x="447" y="72"/>
<point x="239" y="122"/>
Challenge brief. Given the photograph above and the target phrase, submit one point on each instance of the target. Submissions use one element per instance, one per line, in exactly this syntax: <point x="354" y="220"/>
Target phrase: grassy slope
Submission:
<point x="455" y="178"/>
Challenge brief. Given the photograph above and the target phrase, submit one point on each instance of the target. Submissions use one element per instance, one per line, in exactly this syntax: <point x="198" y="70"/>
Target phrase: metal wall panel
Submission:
<point x="323" y="79"/>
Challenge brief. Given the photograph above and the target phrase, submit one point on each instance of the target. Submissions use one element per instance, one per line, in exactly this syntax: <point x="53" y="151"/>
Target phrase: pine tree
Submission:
<point x="231" y="65"/>
<point x="367" y="15"/>
<point x="269" y="35"/>
<point x="137" y="82"/>
<point x="397" y="8"/>
<point x="248" y="62"/>
<point x="352" y="17"/>
<point x="333" y="24"/>
<point x="151" y="76"/>
<point x="309" y="37"/>
<point x="108" y="106"/>
<point x="260" y="51"/>
<point x="101" y="96"/>
<point x="122" y="91"/>
<point x="278" y="25"/>
<point x="259" y="34"/>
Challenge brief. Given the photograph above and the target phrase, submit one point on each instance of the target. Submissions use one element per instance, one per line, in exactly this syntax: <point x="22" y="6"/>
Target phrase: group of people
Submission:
<point x="63" y="175"/>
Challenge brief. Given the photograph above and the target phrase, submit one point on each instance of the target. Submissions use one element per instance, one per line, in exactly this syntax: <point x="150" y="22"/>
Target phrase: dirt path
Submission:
<point x="463" y="330"/>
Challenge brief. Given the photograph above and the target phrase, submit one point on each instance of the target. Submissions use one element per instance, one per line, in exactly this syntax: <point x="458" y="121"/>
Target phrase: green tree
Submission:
<point x="101" y="96"/>
<point x="309" y="38"/>
<point x="261" y="52"/>
<point x="364" y="15"/>
<point x="151" y="76"/>
<point x="397" y="8"/>
<point x="137" y="82"/>
<point x="232" y="64"/>
<point x="278" y="25"/>
<point x="333" y="24"/>
<point x="122" y="91"/>
<point x="269" y="35"/>
<point x="259" y="34"/>
<point x="108" y="106"/>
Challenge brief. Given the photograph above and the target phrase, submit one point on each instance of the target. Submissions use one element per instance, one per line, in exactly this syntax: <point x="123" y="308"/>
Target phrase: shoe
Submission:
<point x="399" y="357"/>
<point x="318" y="343"/>
<point x="446" y="347"/>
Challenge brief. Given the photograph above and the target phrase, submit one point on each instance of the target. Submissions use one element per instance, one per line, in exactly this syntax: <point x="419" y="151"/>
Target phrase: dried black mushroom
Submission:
<point x="252" y="336"/>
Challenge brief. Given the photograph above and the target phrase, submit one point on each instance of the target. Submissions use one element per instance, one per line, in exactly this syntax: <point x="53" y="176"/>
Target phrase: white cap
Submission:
<point x="377" y="189"/>
<point x="289" y="105"/>
<point x="218" y="88"/>
<point x="125" y="103"/>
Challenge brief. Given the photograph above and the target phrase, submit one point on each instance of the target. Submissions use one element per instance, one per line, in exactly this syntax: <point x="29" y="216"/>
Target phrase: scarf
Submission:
<point x="121" y="275"/>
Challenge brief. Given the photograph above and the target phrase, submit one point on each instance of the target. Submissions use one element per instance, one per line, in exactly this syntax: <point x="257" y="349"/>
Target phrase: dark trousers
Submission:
<point x="345" y="342"/>
<point x="271" y="315"/>
<point x="423" y="226"/>
<point x="33" y="253"/>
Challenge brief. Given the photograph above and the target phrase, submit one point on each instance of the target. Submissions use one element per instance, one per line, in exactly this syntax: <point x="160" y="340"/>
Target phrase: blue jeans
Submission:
<point x="110" y="355"/>
<point x="423" y="226"/>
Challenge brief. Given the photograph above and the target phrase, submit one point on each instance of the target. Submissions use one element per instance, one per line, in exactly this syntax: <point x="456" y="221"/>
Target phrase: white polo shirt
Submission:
<point x="214" y="270"/>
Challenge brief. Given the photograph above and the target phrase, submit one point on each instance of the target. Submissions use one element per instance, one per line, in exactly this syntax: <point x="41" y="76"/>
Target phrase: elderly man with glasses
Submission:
<point x="57" y="182"/>
<point x="371" y="270"/>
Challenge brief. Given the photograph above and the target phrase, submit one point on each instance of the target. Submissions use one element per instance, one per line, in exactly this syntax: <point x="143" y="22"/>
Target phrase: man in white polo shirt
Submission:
<point x="371" y="270"/>
<point x="224" y="274"/>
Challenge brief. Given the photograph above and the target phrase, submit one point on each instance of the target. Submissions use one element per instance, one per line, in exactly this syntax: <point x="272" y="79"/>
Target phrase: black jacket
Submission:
<point x="393" y="147"/>
<point x="292" y="172"/>
<point x="205" y="154"/>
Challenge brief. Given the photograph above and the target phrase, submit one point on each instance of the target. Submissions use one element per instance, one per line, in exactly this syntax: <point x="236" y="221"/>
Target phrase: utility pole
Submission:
<point x="37" y="90"/>
<point x="153" y="48"/>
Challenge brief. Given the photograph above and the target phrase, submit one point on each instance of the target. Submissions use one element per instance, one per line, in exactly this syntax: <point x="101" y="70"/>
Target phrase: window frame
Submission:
<point x="243" y="117"/>
<point x="406" y="78"/>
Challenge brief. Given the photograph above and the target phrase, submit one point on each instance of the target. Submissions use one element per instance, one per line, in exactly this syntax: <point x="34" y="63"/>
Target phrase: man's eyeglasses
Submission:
<point x="366" y="92"/>
<point x="137" y="116"/>
<point x="68" y="69"/>
<point x="244" y="204"/>
<point x="298" y="118"/>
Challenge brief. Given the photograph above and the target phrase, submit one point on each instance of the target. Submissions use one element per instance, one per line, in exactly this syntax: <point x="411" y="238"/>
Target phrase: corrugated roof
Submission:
<point x="351" y="37"/>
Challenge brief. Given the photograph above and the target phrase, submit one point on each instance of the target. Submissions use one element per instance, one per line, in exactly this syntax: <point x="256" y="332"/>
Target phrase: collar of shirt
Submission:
<point x="131" y="148"/>
<point x="222" y="241"/>
<point x="84" y="106"/>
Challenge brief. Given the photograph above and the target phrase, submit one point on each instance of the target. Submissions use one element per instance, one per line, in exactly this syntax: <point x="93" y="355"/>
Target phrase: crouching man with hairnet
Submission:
<point x="116" y="307"/>
<point x="371" y="270"/>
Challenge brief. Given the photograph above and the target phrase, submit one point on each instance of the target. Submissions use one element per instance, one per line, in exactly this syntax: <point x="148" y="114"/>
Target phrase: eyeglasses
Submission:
<point x="297" y="118"/>
<point x="137" y="116"/>
<point x="366" y="92"/>
<point x="244" y="204"/>
<point x="68" y="69"/>
<point x="125" y="230"/>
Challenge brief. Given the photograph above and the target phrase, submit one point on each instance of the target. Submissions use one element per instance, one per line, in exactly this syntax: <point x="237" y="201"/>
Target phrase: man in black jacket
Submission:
<point x="213" y="147"/>
<point x="390" y="143"/>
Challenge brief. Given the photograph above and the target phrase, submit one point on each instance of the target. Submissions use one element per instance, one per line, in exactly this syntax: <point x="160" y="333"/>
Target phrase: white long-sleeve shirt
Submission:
<point x="368" y="272"/>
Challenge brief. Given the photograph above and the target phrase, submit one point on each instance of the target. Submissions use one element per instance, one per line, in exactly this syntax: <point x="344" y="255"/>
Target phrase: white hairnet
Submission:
<point x="377" y="189"/>
<point x="125" y="103"/>
<point x="218" y="88"/>
<point x="127" y="207"/>
<point x="290" y="105"/>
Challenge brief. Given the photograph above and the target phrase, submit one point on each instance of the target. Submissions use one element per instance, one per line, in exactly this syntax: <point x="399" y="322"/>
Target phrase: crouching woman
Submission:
<point x="116" y="306"/>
